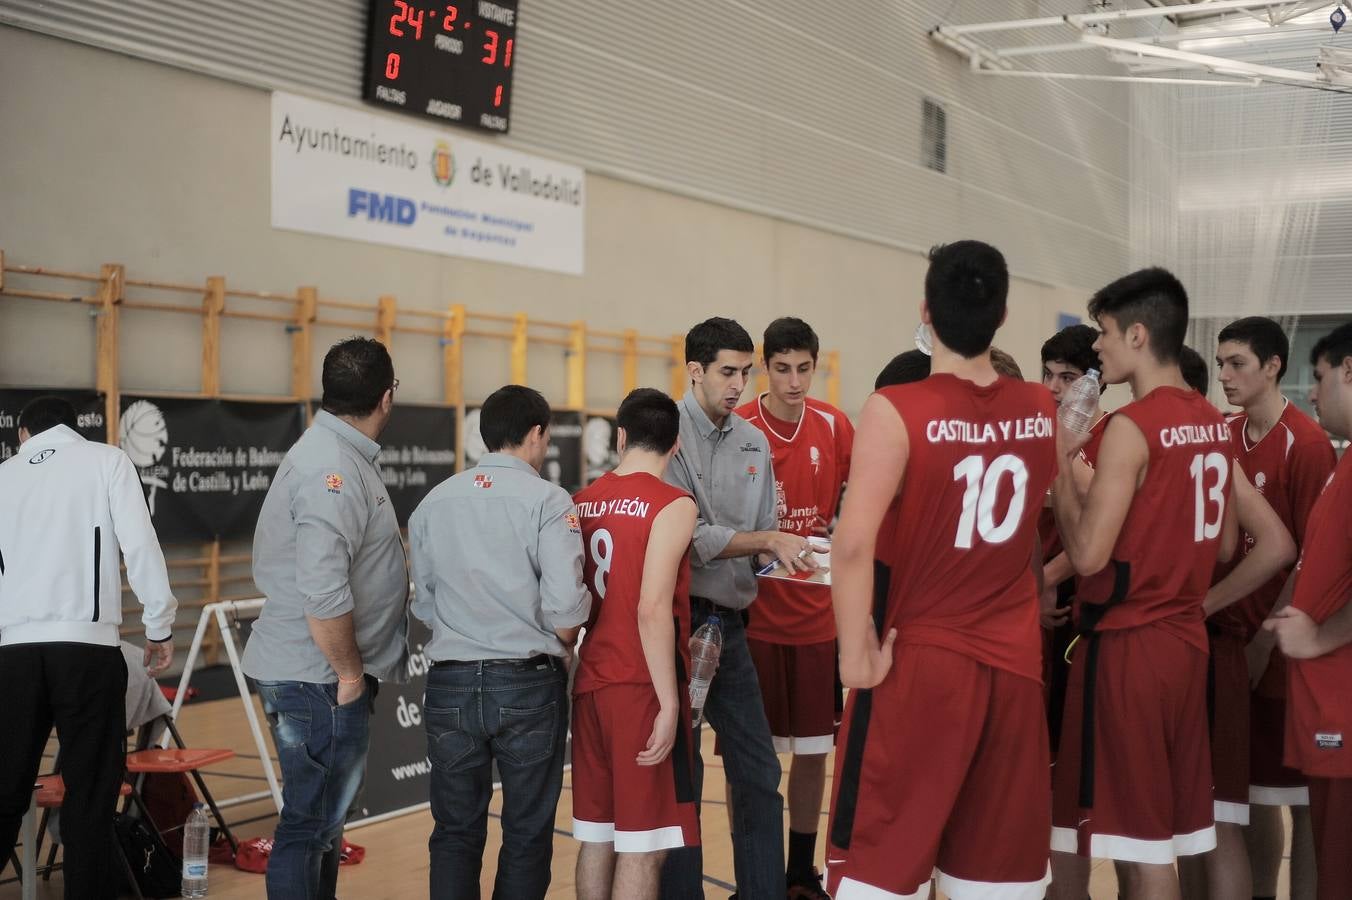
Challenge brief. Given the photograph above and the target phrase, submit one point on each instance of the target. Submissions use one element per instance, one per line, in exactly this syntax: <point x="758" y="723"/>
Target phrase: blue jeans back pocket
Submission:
<point x="448" y="745"/>
<point x="527" y="735"/>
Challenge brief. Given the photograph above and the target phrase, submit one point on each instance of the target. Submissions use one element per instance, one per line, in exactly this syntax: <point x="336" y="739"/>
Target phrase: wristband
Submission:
<point x="342" y="680"/>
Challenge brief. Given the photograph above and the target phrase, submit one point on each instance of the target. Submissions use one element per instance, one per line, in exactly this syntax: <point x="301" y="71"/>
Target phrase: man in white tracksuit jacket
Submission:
<point x="69" y="508"/>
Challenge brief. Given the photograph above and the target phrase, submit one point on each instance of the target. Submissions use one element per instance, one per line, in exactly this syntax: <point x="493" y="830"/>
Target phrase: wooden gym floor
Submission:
<point x="396" y="863"/>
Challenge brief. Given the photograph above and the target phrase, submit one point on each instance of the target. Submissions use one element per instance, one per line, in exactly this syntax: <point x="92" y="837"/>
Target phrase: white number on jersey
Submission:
<point x="601" y="549"/>
<point x="1204" y="529"/>
<point x="978" y="501"/>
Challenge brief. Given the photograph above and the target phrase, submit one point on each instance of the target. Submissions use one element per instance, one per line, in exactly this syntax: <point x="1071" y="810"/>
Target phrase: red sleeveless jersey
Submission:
<point x="1289" y="466"/>
<point x="1171" y="535"/>
<point x="616" y="513"/>
<point x="1046" y="524"/>
<point x="961" y="535"/>
<point x="811" y="461"/>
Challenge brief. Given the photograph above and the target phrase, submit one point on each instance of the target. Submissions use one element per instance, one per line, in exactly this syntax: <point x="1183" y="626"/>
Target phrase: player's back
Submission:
<point x="963" y="531"/>
<point x="616" y="513"/>
<point x="1166" y="552"/>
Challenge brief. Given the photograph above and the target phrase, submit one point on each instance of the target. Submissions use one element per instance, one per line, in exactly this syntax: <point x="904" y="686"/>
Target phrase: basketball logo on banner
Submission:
<point x="143" y="435"/>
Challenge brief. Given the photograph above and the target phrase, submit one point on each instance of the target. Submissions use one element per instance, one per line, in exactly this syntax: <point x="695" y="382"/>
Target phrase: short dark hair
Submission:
<point x="48" y="411"/>
<point x="1195" y="370"/>
<point x="1151" y="297"/>
<point x="357" y="373"/>
<point x="650" y="420"/>
<point x="1333" y="347"/>
<point x="1262" y="335"/>
<point x="904" y="368"/>
<point x="967" y="289"/>
<point x="509" y="414"/>
<point x="787" y="334"/>
<point x="703" y="342"/>
<point x="1073" y="346"/>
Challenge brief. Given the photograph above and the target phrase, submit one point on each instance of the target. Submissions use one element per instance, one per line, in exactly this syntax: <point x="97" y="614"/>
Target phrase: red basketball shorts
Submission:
<point x="802" y="694"/>
<point x="1228" y="702"/>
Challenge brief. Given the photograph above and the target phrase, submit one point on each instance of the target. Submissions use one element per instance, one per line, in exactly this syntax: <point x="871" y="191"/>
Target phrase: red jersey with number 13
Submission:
<point x="811" y="460"/>
<point x="963" y="532"/>
<point x="616" y="513"/>
<point x="1172" y="532"/>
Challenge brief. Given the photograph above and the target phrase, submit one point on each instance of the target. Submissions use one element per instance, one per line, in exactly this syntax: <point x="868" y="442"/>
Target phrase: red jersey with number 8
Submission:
<point x="964" y="529"/>
<point x="616" y="513"/>
<point x="1171" y="536"/>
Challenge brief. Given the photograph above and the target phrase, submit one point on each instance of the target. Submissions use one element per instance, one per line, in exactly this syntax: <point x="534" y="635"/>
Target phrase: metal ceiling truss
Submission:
<point x="1148" y="57"/>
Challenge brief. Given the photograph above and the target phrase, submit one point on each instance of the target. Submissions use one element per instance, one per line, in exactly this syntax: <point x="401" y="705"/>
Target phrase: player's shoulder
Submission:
<point x="748" y="435"/>
<point x="1302" y="427"/>
<point x="750" y="410"/>
<point x="1032" y="392"/>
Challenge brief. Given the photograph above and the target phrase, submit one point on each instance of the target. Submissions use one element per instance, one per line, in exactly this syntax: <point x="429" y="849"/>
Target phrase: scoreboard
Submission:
<point x="449" y="61"/>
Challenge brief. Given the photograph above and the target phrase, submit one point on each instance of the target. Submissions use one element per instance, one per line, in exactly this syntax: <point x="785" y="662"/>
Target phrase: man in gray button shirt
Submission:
<point x="497" y="574"/>
<point x="328" y="557"/>
<point x="724" y="461"/>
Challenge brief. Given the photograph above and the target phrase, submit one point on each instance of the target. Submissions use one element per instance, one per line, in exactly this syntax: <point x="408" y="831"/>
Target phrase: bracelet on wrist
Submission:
<point x="342" y="680"/>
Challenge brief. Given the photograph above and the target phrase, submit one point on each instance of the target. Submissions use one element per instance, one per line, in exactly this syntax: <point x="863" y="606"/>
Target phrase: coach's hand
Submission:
<point x="869" y="670"/>
<point x="1297" y="634"/>
<point x="158" y="656"/>
<point x="794" y="551"/>
<point x="663" y="737"/>
<point x="1053" y="616"/>
<point x="349" y="692"/>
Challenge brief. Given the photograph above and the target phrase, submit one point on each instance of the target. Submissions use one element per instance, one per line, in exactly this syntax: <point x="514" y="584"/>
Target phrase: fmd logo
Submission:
<point x="381" y="207"/>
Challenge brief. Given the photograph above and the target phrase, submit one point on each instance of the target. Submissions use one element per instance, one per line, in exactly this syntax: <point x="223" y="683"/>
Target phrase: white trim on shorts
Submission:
<point x="1230" y="813"/>
<point x="668" y="838"/>
<point x="1262" y="795"/>
<point x="1125" y="849"/>
<point x="962" y="889"/>
<point x="805" y="746"/>
<point x="858" y="890"/>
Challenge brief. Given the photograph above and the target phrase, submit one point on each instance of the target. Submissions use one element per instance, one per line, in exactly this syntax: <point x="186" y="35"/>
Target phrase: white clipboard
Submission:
<point x="820" y="576"/>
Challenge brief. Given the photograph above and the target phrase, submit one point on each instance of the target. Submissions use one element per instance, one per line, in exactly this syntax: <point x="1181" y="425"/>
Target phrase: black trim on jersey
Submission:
<point x="680" y="752"/>
<point x="98" y="554"/>
<point x="1091" y="614"/>
<point x="2" y="563"/>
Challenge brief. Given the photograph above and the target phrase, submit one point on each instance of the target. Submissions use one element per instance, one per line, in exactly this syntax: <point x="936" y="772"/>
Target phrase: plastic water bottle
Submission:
<point x="1080" y="403"/>
<point x="923" y="342"/>
<point x="196" y="837"/>
<point x="706" y="646"/>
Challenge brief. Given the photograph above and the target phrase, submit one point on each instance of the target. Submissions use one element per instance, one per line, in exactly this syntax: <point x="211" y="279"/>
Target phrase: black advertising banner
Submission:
<point x="563" y="460"/>
<point x="88" y="408"/>
<point x="417" y="453"/>
<point x="206" y="464"/>
<point x="398" y="773"/>
<point x="474" y="440"/>
<point x="599" y="446"/>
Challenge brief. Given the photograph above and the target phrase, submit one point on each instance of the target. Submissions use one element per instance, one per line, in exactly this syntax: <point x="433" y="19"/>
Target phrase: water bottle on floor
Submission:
<point x="1080" y="403"/>
<point x="706" y="645"/>
<point x="196" y="841"/>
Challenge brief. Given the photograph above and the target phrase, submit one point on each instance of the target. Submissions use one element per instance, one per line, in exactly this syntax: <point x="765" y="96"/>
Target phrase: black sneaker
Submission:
<point x="808" y="888"/>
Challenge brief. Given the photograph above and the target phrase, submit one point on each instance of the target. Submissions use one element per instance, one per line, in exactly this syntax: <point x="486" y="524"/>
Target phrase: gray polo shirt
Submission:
<point x="327" y="543"/>
<point x="497" y="563"/>
<point x="728" y="470"/>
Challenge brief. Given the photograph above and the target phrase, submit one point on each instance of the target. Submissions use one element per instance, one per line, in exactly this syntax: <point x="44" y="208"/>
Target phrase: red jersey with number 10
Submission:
<point x="811" y="459"/>
<point x="616" y="513"/>
<point x="1172" y="532"/>
<point x="963" y="532"/>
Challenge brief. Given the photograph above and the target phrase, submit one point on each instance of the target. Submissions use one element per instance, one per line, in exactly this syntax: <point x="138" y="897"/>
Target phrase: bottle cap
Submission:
<point x="1093" y="373"/>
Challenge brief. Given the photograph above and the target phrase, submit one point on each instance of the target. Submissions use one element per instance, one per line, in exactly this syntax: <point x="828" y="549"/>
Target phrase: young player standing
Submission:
<point x="1315" y="630"/>
<point x="1288" y="457"/>
<point x="1133" y="772"/>
<point x="633" y="793"/>
<point x="951" y="766"/>
<point x="792" y="633"/>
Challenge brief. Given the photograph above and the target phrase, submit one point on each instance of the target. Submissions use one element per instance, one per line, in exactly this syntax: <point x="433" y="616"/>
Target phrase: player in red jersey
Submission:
<point x="792" y="634"/>
<point x="1223" y="873"/>
<point x="1289" y="458"/>
<point x="1315" y="633"/>
<point x="633" y="791"/>
<point x="1133" y="773"/>
<point x="1066" y="356"/>
<point x="946" y="759"/>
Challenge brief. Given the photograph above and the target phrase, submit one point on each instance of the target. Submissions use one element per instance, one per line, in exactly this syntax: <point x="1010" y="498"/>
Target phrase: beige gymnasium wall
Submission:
<point x="107" y="158"/>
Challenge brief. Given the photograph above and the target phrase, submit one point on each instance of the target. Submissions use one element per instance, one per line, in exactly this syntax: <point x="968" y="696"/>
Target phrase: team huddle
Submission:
<point x="1125" y="642"/>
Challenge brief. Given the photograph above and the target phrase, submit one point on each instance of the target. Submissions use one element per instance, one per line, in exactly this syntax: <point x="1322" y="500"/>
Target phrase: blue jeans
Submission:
<point x="322" y="750"/>
<point x="735" y="710"/>
<point x="514" y="713"/>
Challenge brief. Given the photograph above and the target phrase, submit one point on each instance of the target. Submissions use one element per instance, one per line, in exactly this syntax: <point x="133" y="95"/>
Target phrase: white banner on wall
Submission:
<point x="371" y="177"/>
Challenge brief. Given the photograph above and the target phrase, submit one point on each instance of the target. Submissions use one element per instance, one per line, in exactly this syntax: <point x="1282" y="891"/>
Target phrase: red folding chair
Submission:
<point x="179" y="759"/>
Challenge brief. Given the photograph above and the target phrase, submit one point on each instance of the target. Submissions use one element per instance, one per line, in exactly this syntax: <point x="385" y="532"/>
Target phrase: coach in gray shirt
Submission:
<point x="328" y="557"/>
<point x="497" y="573"/>
<point x="724" y="461"/>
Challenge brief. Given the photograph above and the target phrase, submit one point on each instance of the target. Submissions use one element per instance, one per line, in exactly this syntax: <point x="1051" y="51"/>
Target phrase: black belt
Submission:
<point x="534" y="662"/>
<point x="703" y="606"/>
<point x="1091" y="614"/>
